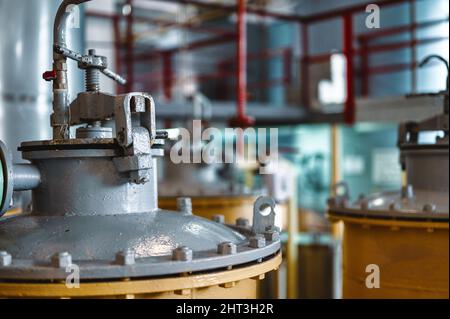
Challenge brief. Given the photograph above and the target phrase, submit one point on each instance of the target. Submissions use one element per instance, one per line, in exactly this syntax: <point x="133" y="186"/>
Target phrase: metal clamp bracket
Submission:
<point x="263" y="214"/>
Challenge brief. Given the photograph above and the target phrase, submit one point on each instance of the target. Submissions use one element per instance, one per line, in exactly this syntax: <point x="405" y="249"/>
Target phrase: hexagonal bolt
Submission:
<point x="227" y="248"/>
<point x="407" y="192"/>
<point x="429" y="208"/>
<point x="182" y="254"/>
<point x="184" y="205"/>
<point x="125" y="258"/>
<point x="273" y="228"/>
<point x="271" y="235"/>
<point x="395" y="206"/>
<point x="62" y="260"/>
<point x="257" y="242"/>
<point x="5" y="258"/>
<point x="218" y="219"/>
<point x="344" y="203"/>
<point x="365" y="205"/>
<point x="331" y="202"/>
<point x="242" y="222"/>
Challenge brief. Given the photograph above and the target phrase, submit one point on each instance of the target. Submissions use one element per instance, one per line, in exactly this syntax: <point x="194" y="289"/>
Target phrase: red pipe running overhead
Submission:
<point x="241" y="120"/>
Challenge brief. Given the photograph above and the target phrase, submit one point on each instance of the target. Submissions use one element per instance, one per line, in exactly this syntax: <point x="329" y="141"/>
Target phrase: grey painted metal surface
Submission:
<point x="95" y="200"/>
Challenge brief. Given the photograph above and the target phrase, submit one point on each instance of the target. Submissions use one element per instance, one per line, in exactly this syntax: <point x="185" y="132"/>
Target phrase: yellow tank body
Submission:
<point x="412" y="257"/>
<point x="239" y="283"/>
<point x="231" y="207"/>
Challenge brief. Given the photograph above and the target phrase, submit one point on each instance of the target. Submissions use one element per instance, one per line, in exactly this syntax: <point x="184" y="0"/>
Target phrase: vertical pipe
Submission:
<point x="349" y="111"/>
<point x="365" y="76"/>
<point x="304" y="63"/>
<point x="130" y="48"/>
<point x="167" y="74"/>
<point x="337" y="228"/>
<point x="117" y="46"/>
<point x="412" y="17"/>
<point x="287" y="56"/>
<point x="241" y="72"/>
<point x="335" y="158"/>
<point x="60" y="117"/>
<point x="292" y="247"/>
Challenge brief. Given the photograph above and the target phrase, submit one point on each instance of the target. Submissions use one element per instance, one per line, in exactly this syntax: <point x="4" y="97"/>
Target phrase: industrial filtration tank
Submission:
<point x="95" y="229"/>
<point x="396" y="244"/>
<point x="25" y="50"/>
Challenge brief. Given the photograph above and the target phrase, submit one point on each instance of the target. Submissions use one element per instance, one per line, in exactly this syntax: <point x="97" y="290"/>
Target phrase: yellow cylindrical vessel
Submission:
<point x="240" y="283"/>
<point x="231" y="207"/>
<point x="13" y="212"/>
<point x="412" y="257"/>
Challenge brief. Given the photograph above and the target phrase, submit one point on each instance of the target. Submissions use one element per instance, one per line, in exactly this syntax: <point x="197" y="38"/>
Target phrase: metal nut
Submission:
<point x="271" y="235"/>
<point x="5" y="258"/>
<point x="182" y="254"/>
<point x="273" y="228"/>
<point x="395" y="206"/>
<point x="407" y="192"/>
<point x="219" y="219"/>
<point x="429" y="208"/>
<point x="184" y="205"/>
<point x="365" y="205"/>
<point x="242" y="222"/>
<point x="125" y="258"/>
<point x="227" y="248"/>
<point x="257" y="242"/>
<point x="62" y="260"/>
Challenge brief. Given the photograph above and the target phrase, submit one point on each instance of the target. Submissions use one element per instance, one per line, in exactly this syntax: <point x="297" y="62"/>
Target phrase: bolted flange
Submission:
<point x="227" y="248"/>
<point x="182" y="254"/>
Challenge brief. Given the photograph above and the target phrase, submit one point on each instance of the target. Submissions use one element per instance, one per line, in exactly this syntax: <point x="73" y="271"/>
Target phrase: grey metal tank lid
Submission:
<point x="401" y="205"/>
<point x="133" y="245"/>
